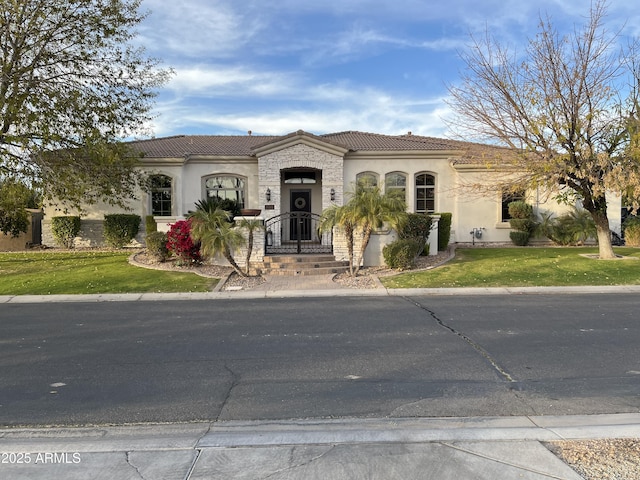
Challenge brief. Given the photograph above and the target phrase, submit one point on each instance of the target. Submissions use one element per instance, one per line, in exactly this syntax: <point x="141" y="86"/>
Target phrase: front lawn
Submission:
<point x="524" y="267"/>
<point x="45" y="273"/>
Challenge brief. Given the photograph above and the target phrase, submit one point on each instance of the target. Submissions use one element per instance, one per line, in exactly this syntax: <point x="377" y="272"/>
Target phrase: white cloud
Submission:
<point x="193" y="28"/>
<point x="237" y="81"/>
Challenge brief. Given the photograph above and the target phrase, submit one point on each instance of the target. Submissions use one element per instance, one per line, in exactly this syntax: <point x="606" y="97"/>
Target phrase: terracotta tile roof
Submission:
<point x="243" y="145"/>
<point x="216" y="145"/>
<point x="359" y="141"/>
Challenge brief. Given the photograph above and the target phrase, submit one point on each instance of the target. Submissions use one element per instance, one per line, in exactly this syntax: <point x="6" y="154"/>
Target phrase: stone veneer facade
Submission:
<point x="300" y="155"/>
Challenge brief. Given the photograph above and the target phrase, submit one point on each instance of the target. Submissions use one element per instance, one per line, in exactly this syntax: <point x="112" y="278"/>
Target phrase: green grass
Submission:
<point x="524" y="267"/>
<point x="44" y="273"/>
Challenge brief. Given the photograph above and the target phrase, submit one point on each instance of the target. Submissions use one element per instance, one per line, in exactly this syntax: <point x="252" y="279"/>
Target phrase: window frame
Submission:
<point x="164" y="191"/>
<point x="425" y="188"/>
<point x="368" y="174"/>
<point x="241" y="191"/>
<point x="506" y="198"/>
<point x="389" y="187"/>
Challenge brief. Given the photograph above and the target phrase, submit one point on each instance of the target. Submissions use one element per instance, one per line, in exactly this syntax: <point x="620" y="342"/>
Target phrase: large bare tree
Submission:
<point x="567" y="107"/>
<point x="72" y="82"/>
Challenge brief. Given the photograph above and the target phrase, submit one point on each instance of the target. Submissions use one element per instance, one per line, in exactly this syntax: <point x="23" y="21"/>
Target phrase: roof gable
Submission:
<point x="297" y="138"/>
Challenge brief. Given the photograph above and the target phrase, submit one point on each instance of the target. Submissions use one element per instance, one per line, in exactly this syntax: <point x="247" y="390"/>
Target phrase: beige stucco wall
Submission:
<point x="338" y="172"/>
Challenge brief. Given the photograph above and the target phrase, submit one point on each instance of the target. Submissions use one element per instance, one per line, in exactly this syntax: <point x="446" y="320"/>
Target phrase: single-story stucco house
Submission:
<point x="303" y="172"/>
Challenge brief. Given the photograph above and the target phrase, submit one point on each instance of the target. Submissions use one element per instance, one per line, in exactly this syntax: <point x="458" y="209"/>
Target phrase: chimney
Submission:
<point x="249" y="133"/>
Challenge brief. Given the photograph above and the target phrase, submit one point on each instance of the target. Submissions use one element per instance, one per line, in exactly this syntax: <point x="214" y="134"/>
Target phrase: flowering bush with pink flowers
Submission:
<point x="180" y="244"/>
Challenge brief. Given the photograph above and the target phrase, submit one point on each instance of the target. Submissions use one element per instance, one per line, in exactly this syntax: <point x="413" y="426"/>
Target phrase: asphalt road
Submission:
<point x="179" y="361"/>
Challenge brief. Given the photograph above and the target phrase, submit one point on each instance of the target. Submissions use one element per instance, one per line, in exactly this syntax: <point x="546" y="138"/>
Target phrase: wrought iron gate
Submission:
<point x="296" y="232"/>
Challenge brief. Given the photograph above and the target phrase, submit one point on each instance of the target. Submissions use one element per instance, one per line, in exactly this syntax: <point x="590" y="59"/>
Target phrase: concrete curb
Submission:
<point x="233" y="434"/>
<point x="379" y="292"/>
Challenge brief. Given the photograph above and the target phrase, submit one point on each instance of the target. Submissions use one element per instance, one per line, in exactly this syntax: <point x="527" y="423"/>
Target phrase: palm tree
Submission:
<point x="371" y="210"/>
<point x="212" y="229"/>
<point x="340" y="216"/>
<point x="367" y="209"/>
<point x="251" y="224"/>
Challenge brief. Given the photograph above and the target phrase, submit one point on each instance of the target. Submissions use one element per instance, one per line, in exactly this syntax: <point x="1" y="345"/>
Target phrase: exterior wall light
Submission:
<point x="332" y="194"/>
<point x="268" y="194"/>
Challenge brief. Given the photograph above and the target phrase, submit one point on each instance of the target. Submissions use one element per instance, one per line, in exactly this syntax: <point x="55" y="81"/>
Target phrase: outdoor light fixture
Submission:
<point x="332" y="193"/>
<point x="268" y="194"/>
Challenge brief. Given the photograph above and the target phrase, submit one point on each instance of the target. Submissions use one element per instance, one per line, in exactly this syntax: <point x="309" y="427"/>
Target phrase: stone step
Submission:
<point x="305" y="271"/>
<point x="312" y="258"/>
<point x="303" y="265"/>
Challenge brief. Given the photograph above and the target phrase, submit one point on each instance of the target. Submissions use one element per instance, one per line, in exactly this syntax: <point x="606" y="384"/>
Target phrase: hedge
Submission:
<point x="444" y="231"/>
<point x="120" y="229"/>
<point x="402" y="253"/>
<point x="65" y="230"/>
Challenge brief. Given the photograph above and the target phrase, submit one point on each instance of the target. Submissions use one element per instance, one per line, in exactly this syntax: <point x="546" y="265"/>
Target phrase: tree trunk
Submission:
<point x="249" y="250"/>
<point x="227" y="254"/>
<point x="605" y="249"/>
<point x="366" y="236"/>
<point x="348" y="232"/>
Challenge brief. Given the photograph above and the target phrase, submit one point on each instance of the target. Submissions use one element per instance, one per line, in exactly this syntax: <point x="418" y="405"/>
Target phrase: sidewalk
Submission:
<point x="426" y="448"/>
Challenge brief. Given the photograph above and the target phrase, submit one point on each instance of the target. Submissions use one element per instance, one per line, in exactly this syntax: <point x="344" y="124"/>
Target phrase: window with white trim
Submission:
<point x="367" y="179"/>
<point x="229" y="187"/>
<point x="425" y="193"/>
<point x="396" y="182"/>
<point x="161" y="195"/>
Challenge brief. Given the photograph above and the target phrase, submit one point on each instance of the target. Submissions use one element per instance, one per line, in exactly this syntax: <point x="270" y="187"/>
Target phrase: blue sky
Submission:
<point x="382" y="66"/>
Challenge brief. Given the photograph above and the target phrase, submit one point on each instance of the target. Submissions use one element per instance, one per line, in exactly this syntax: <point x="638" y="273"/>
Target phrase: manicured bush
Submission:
<point x="157" y="245"/>
<point x="402" y="253"/>
<point x="418" y="225"/>
<point x="444" y="231"/>
<point x="180" y="243"/>
<point x="631" y="229"/>
<point x="120" y="229"/>
<point x="519" y="238"/>
<point x="520" y="209"/>
<point x="521" y="221"/>
<point x="522" y="224"/>
<point x="65" y="230"/>
<point x="150" y="224"/>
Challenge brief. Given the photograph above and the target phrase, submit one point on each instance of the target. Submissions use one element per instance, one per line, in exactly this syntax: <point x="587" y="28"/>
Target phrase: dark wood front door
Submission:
<point x="300" y="204"/>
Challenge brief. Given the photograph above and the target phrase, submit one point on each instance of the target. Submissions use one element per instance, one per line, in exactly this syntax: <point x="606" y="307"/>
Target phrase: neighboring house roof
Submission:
<point x="244" y="145"/>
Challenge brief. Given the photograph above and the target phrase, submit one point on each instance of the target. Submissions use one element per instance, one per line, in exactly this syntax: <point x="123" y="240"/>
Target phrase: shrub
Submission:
<point x="120" y="229"/>
<point x="520" y="209"/>
<point x="572" y="228"/>
<point x="631" y="230"/>
<point x="402" y="253"/>
<point x="157" y="245"/>
<point x="444" y="231"/>
<point x="150" y="224"/>
<point x="519" y="238"/>
<point x="521" y="221"/>
<point x="65" y="230"/>
<point x="418" y="225"/>
<point x="522" y="224"/>
<point x="180" y="244"/>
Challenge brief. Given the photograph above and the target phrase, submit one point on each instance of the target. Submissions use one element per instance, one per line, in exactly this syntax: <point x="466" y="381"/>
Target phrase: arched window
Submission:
<point x="161" y="195"/>
<point x="226" y="187"/>
<point x="425" y="193"/>
<point x="396" y="182"/>
<point x="367" y="179"/>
